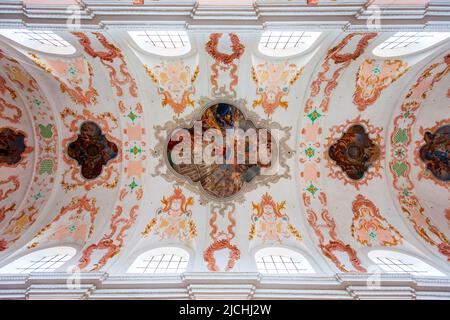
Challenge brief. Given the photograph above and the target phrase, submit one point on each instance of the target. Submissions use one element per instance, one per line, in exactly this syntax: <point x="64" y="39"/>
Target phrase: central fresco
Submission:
<point x="227" y="176"/>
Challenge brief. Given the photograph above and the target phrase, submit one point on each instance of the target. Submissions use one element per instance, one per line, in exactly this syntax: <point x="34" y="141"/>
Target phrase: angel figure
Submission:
<point x="174" y="220"/>
<point x="269" y="223"/>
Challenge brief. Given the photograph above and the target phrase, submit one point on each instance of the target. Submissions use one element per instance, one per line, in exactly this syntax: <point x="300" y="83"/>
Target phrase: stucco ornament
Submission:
<point x="269" y="223"/>
<point x="273" y="82"/>
<point x="175" y="82"/>
<point x="174" y="220"/>
<point x="369" y="227"/>
<point x="373" y="77"/>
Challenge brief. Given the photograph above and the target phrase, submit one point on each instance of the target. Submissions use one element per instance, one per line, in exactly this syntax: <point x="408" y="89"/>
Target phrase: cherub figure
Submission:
<point x="174" y="219"/>
<point x="269" y="223"/>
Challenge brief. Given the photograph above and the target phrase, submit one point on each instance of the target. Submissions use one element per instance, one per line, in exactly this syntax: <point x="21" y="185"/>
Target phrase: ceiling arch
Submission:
<point x="40" y="165"/>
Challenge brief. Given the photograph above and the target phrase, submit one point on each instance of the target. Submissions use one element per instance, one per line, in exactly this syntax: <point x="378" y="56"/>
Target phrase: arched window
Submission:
<point x="403" y="43"/>
<point x="161" y="260"/>
<point x="277" y="260"/>
<point x="286" y="43"/>
<point x="39" y="40"/>
<point x="163" y="43"/>
<point x="45" y="260"/>
<point x="395" y="262"/>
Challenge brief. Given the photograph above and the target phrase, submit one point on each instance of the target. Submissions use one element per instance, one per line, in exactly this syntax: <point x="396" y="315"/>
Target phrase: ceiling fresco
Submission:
<point x="225" y="176"/>
<point x="434" y="152"/>
<point x="362" y="146"/>
<point x="356" y="154"/>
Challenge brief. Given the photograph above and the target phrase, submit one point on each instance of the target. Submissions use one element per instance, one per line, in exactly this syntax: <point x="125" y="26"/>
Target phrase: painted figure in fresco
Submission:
<point x="269" y="223"/>
<point x="175" y="83"/>
<point x="75" y="230"/>
<point x="74" y="223"/>
<point x="12" y="145"/>
<point x="354" y="152"/>
<point x="273" y="83"/>
<point x="92" y="150"/>
<point x="174" y="220"/>
<point x="369" y="227"/>
<point x="373" y="77"/>
<point x="225" y="179"/>
<point x="436" y="152"/>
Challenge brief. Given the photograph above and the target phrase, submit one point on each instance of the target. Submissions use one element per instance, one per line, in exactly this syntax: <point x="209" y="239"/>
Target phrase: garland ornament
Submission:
<point x="224" y="61"/>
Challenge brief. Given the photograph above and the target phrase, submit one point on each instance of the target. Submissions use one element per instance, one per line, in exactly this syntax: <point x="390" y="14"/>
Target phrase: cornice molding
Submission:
<point x="235" y="285"/>
<point x="353" y="15"/>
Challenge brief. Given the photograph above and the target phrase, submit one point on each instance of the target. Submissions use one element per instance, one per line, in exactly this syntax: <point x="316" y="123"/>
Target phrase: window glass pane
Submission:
<point x="163" y="39"/>
<point x="154" y="261"/>
<point x="395" y="262"/>
<point x="402" y="43"/>
<point x="45" y="260"/>
<point x="39" y="40"/>
<point x="282" y="264"/>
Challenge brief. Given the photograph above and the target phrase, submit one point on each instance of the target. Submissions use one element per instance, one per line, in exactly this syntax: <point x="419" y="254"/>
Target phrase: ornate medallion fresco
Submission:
<point x="12" y="146"/>
<point x="224" y="178"/>
<point x="369" y="227"/>
<point x="175" y="82"/>
<point x="273" y="82"/>
<point x="256" y="174"/>
<point x="269" y="224"/>
<point x="92" y="150"/>
<point x="354" y="152"/>
<point x="373" y="77"/>
<point x="174" y="220"/>
<point x="436" y="153"/>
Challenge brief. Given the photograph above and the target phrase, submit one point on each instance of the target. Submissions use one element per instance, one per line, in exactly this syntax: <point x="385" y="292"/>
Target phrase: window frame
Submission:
<point x="378" y="52"/>
<point x="283" y="252"/>
<point x="173" y="250"/>
<point x="291" y="52"/>
<point x="41" y="49"/>
<point x="406" y="259"/>
<point x="161" y="52"/>
<point x="27" y="257"/>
